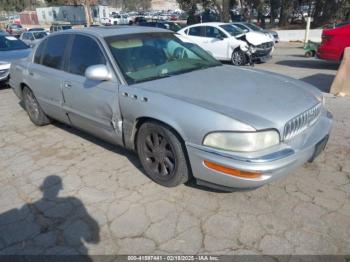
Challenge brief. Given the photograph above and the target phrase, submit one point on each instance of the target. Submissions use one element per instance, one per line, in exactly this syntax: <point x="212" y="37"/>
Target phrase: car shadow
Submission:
<point x="310" y="64"/>
<point x="322" y="81"/>
<point x="130" y="155"/>
<point x="4" y="86"/>
<point x="52" y="225"/>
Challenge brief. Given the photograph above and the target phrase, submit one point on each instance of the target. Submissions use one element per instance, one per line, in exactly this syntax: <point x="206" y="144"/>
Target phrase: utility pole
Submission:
<point x="87" y="9"/>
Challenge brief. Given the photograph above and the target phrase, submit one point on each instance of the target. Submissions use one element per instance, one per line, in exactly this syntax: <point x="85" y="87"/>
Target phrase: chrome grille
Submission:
<point x="300" y="123"/>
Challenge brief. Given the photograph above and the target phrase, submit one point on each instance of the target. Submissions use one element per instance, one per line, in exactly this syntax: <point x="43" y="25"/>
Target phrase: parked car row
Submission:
<point x="11" y="49"/>
<point x="225" y="42"/>
<point x="185" y="114"/>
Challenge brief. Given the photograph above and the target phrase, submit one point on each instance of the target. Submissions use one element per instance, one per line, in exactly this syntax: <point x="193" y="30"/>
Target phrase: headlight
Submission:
<point x="242" y="142"/>
<point x="244" y="47"/>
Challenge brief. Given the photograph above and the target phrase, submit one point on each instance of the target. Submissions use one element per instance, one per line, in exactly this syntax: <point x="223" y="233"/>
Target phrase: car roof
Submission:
<point x="211" y="23"/>
<point x="105" y="31"/>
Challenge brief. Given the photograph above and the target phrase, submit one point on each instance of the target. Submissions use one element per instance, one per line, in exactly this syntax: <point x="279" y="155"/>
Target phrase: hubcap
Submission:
<point x="159" y="154"/>
<point x="32" y="105"/>
<point x="237" y="58"/>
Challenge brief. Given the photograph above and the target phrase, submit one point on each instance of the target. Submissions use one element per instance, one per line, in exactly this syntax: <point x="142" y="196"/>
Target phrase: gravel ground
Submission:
<point x="65" y="192"/>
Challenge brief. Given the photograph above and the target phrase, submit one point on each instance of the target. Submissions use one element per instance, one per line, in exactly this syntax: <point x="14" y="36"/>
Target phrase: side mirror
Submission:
<point x="98" y="73"/>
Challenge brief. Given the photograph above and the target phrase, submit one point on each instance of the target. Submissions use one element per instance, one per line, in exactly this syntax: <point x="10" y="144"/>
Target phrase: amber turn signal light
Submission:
<point x="231" y="171"/>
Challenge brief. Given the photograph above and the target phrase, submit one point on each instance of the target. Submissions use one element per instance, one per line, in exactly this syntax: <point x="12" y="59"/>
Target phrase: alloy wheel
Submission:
<point x="160" y="157"/>
<point x="32" y="105"/>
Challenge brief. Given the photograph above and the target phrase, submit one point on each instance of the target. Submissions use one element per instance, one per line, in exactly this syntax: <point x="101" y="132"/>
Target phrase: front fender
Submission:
<point x="191" y="121"/>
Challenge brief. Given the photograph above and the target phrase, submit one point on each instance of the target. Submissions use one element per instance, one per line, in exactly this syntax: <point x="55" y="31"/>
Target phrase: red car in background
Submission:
<point x="334" y="41"/>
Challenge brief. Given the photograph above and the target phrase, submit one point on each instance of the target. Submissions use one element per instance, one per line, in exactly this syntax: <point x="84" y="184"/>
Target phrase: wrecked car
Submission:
<point x="227" y="42"/>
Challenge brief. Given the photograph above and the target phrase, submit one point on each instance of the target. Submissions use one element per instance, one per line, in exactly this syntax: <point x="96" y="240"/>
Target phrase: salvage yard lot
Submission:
<point x="98" y="201"/>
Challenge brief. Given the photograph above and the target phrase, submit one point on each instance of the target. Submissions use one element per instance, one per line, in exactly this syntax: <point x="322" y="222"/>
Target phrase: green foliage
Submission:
<point x="323" y="11"/>
<point x="13" y="5"/>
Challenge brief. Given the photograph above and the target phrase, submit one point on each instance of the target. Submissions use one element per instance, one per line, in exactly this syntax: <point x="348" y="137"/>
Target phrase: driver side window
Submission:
<point x="213" y="32"/>
<point x="81" y="56"/>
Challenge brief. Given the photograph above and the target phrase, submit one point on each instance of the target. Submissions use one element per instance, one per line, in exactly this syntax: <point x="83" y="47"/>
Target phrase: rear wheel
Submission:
<point x="239" y="58"/>
<point x="162" y="155"/>
<point x="35" y="113"/>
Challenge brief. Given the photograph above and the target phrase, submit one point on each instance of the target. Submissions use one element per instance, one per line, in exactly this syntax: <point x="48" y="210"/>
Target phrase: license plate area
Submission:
<point x="319" y="148"/>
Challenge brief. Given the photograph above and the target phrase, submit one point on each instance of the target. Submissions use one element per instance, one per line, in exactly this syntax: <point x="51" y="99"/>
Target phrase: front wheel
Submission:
<point x="162" y="155"/>
<point x="239" y="58"/>
<point x="35" y="113"/>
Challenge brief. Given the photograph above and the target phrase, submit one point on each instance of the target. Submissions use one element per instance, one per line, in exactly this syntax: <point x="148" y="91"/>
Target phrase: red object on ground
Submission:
<point x="334" y="42"/>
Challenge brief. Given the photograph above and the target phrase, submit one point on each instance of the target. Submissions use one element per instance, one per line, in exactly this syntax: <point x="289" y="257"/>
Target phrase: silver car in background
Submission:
<point x="32" y="38"/>
<point x="11" y="49"/>
<point x="185" y="113"/>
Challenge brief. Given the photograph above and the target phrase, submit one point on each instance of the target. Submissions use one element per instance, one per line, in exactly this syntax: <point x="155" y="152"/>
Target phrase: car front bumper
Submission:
<point x="4" y="72"/>
<point x="272" y="165"/>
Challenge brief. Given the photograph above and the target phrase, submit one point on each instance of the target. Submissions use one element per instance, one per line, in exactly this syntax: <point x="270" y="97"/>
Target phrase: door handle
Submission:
<point x="31" y="73"/>
<point x="67" y="85"/>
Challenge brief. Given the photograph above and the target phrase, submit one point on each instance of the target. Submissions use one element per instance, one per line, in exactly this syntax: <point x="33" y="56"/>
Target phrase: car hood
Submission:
<point x="255" y="97"/>
<point x="9" y="56"/>
<point x="257" y="38"/>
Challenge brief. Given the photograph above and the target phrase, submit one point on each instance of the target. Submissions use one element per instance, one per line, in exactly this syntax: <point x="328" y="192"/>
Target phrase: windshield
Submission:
<point x="8" y="43"/>
<point x="39" y="35"/>
<point x="253" y="27"/>
<point x="232" y="30"/>
<point x="15" y="26"/>
<point x="146" y="57"/>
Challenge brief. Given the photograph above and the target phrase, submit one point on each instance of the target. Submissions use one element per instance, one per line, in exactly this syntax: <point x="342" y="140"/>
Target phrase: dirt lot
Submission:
<point x="64" y="192"/>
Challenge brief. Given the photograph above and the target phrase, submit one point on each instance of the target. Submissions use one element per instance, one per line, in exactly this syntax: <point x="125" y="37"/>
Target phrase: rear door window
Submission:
<point x="53" y="55"/>
<point x="213" y="32"/>
<point x="39" y="52"/>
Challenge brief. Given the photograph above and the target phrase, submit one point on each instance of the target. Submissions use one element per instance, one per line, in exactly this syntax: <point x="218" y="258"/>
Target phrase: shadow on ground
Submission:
<point x="130" y="155"/>
<point x="52" y="225"/>
<point x="322" y="81"/>
<point x="310" y="64"/>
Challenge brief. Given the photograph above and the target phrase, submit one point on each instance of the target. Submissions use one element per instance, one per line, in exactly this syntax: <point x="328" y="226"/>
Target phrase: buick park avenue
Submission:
<point x="185" y="114"/>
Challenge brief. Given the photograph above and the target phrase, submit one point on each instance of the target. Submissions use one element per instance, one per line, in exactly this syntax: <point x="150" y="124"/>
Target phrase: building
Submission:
<point x="75" y="14"/>
<point x="28" y="18"/>
<point x="164" y="5"/>
<point x="100" y="13"/>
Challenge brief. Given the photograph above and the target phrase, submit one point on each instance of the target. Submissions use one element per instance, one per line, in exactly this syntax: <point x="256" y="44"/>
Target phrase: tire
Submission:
<point x="162" y="155"/>
<point x="239" y="58"/>
<point x="309" y="54"/>
<point x="35" y="113"/>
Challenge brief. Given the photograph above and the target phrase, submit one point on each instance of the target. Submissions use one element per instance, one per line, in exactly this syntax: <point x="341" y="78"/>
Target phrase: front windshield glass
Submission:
<point x="15" y="26"/>
<point x="8" y="43"/>
<point x="146" y="57"/>
<point x="232" y="30"/>
<point x="39" y="35"/>
<point x="253" y="27"/>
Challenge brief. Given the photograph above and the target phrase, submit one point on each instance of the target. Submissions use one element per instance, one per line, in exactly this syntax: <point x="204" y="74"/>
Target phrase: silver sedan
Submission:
<point x="184" y="113"/>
